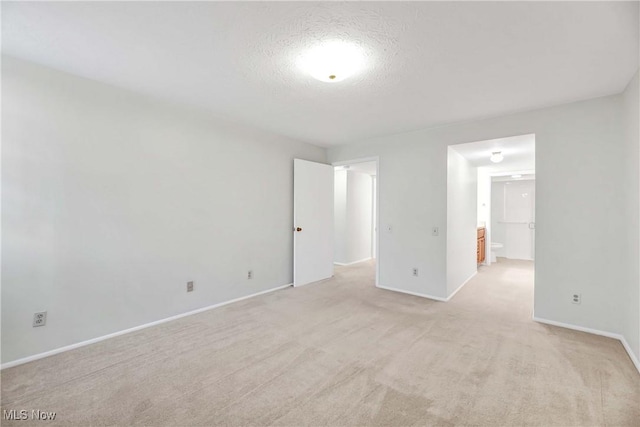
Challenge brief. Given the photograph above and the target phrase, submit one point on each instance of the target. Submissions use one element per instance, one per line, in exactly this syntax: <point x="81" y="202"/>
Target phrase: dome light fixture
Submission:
<point x="496" y="157"/>
<point x="332" y="61"/>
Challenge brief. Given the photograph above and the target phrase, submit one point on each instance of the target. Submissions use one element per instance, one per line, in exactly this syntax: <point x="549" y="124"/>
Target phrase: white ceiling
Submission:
<point x="370" y="168"/>
<point x="431" y="62"/>
<point x="519" y="154"/>
<point x="525" y="177"/>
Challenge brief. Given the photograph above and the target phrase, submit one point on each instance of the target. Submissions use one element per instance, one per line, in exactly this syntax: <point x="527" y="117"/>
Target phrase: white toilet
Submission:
<point x="494" y="247"/>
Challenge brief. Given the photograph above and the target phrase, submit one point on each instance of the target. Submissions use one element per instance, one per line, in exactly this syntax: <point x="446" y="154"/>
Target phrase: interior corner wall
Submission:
<point x="412" y="197"/>
<point x="462" y="219"/>
<point x="580" y="206"/>
<point x="631" y="182"/>
<point x="112" y="201"/>
<point x="353" y="216"/>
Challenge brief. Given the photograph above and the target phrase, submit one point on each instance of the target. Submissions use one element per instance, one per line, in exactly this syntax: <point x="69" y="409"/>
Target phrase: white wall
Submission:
<point x="359" y="215"/>
<point x="484" y="209"/>
<point x="462" y="219"/>
<point x="631" y="114"/>
<point x="353" y="203"/>
<point x="580" y="206"/>
<point x="113" y="201"/>
<point x="374" y="225"/>
<point x="340" y="215"/>
<point x="484" y="194"/>
<point x="498" y="228"/>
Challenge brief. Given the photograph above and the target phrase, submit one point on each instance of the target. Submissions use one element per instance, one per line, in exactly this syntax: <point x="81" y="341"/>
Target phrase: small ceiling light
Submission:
<point x="332" y="61"/>
<point x="516" y="176"/>
<point x="496" y="157"/>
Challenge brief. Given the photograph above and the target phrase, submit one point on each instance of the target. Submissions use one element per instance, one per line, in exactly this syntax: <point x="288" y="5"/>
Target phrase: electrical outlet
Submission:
<point x="415" y="272"/>
<point x="189" y="286"/>
<point x="39" y="319"/>
<point x="250" y="274"/>
<point x="389" y="228"/>
<point x="435" y="231"/>
<point x="576" y="298"/>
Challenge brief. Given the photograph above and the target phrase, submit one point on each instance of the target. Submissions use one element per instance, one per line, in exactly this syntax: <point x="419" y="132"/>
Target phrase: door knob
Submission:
<point x="298" y="229"/>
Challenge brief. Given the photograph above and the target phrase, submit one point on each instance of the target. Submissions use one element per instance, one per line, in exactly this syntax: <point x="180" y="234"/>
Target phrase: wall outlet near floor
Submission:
<point x="40" y="318"/>
<point x="189" y="286"/>
<point x="250" y="274"/>
<point x="415" y="272"/>
<point x="435" y="231"/>
<point x="576" y="298"/>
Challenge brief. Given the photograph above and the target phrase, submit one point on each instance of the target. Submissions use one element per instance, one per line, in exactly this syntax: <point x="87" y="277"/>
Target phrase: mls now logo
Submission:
<point x="37" y="414"/>
<point x="14" y="414"/>
<point x="23" y="414"/>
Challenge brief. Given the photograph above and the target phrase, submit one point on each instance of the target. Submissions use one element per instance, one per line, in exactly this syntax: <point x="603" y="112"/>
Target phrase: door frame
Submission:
<point x="376" y="225"/>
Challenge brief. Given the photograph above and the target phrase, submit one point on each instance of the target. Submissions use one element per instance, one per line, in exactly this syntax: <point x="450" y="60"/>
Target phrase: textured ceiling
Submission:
<point x="431" y="63"/>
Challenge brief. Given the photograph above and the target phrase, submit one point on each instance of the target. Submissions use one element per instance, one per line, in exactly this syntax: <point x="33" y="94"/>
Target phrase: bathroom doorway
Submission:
<point x="355" y="212"/>
<point x="503" y="192"/>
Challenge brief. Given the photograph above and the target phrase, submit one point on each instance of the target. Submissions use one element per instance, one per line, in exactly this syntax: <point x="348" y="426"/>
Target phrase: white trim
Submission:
<point x="577" y="328"/>
<point x="619" y="337"/>
<point x="463" y="283"/>
<point x="134" y="329"/>
<point x="351" y="263"/>
<point x="632" y="356"/>
<point x="415" y="294"/>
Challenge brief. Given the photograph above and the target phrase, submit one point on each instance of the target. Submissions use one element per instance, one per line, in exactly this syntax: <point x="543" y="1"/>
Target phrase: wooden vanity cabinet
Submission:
<point x="481" y="245"/>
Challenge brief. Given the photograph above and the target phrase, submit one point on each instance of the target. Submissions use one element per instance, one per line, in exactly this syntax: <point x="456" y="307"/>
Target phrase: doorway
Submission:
<point x="498" y="178"/>
<point x="356" y="212"/>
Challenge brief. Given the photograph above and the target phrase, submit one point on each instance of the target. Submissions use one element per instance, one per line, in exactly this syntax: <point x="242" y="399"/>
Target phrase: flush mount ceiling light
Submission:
<point x="332" y="61"/>
<point x="496" y="157"/>
<point x="516" y="176"/>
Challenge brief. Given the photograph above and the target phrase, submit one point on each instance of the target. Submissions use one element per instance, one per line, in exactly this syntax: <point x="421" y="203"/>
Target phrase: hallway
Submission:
<point x="342" y="352"/>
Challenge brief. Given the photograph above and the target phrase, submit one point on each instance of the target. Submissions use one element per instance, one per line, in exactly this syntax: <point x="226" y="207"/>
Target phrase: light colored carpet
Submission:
<point x="343" y="352"/>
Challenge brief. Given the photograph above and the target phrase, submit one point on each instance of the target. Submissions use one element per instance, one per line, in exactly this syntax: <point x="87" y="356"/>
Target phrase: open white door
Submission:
<point x="312" y="222"/>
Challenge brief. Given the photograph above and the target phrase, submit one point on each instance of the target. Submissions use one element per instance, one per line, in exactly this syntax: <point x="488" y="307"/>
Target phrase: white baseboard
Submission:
<point x="577" y="328"/>
<point x="463" y="283"/>
<point x="351" y="263"/>
<point x="632" y="356"/>
<point x="134" y="329"/>
<point x="619" y="337"/>
<point x="415" y="294"/>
